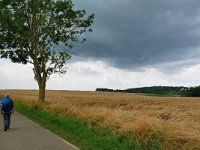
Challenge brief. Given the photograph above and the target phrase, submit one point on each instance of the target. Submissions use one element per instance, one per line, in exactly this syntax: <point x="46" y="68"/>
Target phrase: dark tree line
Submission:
<point x="159" y="90"/>
<point x="192" y="92"/>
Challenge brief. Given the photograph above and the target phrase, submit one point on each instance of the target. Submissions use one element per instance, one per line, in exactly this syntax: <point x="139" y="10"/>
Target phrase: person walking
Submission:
<point x="7" y="108"/>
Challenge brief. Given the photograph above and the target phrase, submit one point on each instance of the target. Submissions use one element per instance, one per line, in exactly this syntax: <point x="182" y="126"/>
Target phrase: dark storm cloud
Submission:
<point x="141" y="33"/>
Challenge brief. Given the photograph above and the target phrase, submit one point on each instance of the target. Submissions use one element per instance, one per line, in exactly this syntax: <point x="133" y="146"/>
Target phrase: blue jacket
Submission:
<point x="10" y="100"/>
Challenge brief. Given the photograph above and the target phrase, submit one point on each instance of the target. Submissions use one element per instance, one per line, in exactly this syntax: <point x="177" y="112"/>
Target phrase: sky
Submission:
<point x="134" y="43"/>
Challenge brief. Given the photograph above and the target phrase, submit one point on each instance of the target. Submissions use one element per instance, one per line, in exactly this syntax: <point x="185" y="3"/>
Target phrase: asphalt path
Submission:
<point x="24" y="134"/>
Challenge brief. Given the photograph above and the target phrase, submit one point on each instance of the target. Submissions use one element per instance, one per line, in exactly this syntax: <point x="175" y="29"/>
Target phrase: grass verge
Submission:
<point x="77" y="132"/>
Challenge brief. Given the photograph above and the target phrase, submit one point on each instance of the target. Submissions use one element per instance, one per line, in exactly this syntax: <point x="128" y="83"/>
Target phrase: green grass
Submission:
<point x="80" y="134"/>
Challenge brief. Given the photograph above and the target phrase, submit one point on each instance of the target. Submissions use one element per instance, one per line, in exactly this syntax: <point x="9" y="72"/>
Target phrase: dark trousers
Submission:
<point x="6" y="120"/>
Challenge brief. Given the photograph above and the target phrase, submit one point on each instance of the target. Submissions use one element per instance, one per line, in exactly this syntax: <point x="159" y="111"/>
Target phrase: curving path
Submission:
<point x="24" y="134"/>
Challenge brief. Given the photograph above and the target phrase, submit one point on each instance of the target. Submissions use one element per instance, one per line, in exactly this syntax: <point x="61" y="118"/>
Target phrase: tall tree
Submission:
<point x="41" y="32"/>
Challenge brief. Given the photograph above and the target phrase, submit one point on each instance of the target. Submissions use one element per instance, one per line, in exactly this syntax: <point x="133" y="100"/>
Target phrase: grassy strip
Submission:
<point x="77" y="132"/>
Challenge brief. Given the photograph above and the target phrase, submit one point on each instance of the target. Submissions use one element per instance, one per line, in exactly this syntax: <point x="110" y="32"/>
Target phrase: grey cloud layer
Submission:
<point x="140" y="33"/>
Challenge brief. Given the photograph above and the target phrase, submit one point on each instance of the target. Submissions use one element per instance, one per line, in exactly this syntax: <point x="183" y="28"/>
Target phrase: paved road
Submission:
<point x="27" y="135"/>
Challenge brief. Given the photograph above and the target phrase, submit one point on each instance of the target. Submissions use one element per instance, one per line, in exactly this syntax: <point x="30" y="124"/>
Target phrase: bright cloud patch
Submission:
<point x="89" y="75"/>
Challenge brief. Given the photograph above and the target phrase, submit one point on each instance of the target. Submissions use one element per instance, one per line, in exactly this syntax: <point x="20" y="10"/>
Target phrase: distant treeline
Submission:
<point x="159" y="90"/>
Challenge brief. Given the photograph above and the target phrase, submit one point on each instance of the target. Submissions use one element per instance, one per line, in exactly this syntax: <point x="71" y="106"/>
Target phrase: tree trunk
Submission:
<point x="42" y="87"/>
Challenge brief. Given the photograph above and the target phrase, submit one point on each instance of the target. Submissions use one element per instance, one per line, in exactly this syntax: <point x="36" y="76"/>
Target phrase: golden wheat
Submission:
<point x="177" y="117"/>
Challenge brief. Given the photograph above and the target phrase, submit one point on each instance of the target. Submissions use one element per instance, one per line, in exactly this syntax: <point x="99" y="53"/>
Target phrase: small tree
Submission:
<point x="41" y="32"/>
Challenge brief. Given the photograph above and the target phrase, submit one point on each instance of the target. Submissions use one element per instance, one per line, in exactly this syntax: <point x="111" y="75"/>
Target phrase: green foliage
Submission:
<point x="157" y="90"/>
<point x="160" y="91"/>
<point x="33" y="30"/>
<point x="192" y="92"/>
<point x="41" y="32"/>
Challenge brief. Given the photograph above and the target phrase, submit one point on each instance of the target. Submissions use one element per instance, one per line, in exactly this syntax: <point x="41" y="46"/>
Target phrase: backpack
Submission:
<point x="6" y="105"/>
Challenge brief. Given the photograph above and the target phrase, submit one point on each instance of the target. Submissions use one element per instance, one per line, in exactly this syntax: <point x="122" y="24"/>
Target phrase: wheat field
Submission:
<point x="177" y="118"/>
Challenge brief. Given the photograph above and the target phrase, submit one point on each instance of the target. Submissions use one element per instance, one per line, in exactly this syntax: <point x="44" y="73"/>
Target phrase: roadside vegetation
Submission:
<point x="77" y="132"/>
<point x="148" y="122"/>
